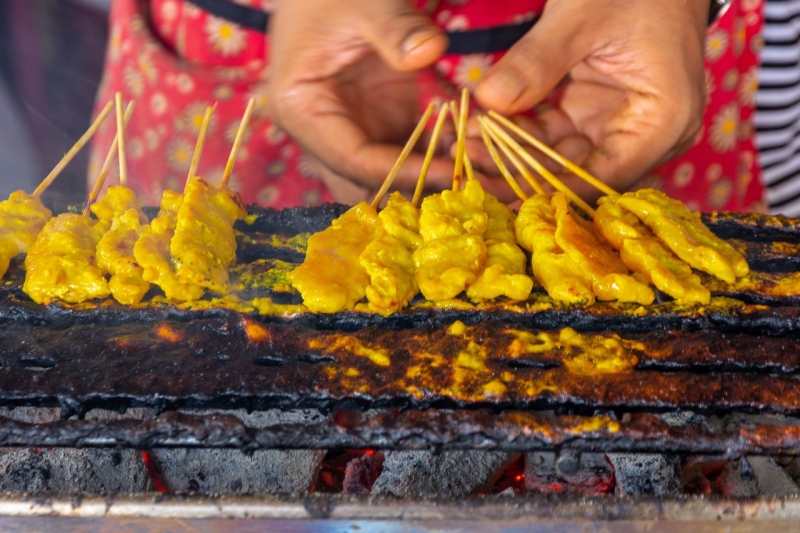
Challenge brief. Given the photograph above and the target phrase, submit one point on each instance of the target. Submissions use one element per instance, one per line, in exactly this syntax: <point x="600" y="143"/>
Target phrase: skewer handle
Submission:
<point x="415" y="135"/>
<point x="72" y="151"/>
<point x="101" y="177"/>
<point x="542" y="147"/>
<point x="237" y="142"/>
<point x="123" y="160"/>
<point x="500" y="164"/>
<point x="461" y="139"/>
<point x="201" y="139"/>
<point x="437" y="133"/>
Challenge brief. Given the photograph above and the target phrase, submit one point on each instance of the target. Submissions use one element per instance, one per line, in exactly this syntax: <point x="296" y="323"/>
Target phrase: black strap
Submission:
<point x="481" y="41"/>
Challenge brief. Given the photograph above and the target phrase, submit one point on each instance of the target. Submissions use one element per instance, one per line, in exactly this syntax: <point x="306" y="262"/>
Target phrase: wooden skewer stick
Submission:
<point x="201" y="139"/>
<point x="461" y="139"/>
<point x="569" y="165"/>
<point x="437" y="132"/>
<point x="518" y="164"/>
<point x="470" y="171"/>
<point x="72" y="151"/>
<point x="123" y="161"/>
<point x="237" y="142"/>
<point x="101" y="177"/>
<point x="412" y="141"/>
<point x="500" y="164"/>
<point x="538" y="167"/>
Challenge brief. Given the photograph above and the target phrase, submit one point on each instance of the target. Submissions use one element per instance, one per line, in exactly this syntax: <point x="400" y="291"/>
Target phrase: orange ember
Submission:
<point x="167" y="333"/>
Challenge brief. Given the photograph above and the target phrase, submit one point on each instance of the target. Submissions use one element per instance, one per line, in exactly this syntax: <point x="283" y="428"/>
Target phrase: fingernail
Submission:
<point x="500" y="86"/>
<point x="417" y="39"/>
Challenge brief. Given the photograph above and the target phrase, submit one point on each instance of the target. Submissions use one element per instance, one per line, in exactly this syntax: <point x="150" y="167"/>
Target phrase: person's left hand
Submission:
<point x="635" y="90"/>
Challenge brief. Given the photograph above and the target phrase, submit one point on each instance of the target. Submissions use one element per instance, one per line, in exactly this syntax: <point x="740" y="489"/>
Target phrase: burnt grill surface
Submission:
<point x="740" y="355"/>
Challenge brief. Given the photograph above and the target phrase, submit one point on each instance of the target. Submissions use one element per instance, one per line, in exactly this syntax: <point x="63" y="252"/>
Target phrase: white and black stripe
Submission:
<point x="777" y="116"/>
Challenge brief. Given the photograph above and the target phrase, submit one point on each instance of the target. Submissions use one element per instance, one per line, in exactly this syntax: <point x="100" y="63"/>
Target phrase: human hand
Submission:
<point x="636" y="88"/>
<point x="342" y="83"/>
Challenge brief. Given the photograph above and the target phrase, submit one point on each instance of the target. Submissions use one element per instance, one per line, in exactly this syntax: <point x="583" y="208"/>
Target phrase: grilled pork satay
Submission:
<point x="453" y="252"/>
<point x="598" y="261"/>
<point x="388" y="260"/>
<point x="22" y="217"/>
<point x="115" y="249"/>
<point x="505" y="261"/>
<point x="152" y="251"/>
<point x="204" y="244"/>
<point x="61" y="263"/>
<point x="363" y="253"/>
<point x="644" y="254"/>
<point x="535" y="230"/>
<point x="331" y="278"/>
<point x="683" y="232"/>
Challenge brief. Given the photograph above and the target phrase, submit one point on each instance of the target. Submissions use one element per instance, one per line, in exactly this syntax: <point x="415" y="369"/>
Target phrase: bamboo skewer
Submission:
<point x="101" y="177"/>
<point x="237" y="142"/>
<point x="120" y="136"/>
<point x="72" y="151"/>
<point x="569" y="165"/>
<point x="501" y="165"/>
<point x="437" y="132"/>
<point x="470" y="171"/>
<point x="537" y="166"/>
<point x="520" y="166"/>
<point x="412" y="141"/>
<point x="461" y="139"/>
<point x="201" y="139"/>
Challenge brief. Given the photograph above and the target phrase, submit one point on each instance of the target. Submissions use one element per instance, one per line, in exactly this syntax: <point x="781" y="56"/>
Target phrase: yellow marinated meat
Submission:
<point x="683" y="232"/>
<point x="453" y="254"/>
<point x="643" y="253"/>
<point x="115" y="249"/>
<point x="390" y="268"/>
<point x="388" y="260"/>
<point x="204" y="244"/>
<point x="504" y="274"/>
<point x="331" y="278"/>
<point x="22" y="217"/>
<point x="152" y="251"/>
<point x="61" y="263"/>
<point x="559" y="275"/>
<point x="401" y="219"/>
<point x="596" y="260"/>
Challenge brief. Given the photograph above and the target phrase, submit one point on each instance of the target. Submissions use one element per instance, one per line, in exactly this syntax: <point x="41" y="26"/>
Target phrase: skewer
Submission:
<point x="519" y="165"/>
<point x="537" y="166"/>
<point x="467" y="163"/>
<point x="542" y="147"/>
<point x="120" y="136"/>
<point x="201" y="139"/>
<point x="500" y="164"/>
<point x="437" y="132"/>
<point x="461" y="139"/>
<point x="412" y="141"/>
<point x="72" y="151"/>
<point x="237" y="142"/>
<point x="101" y="177"/>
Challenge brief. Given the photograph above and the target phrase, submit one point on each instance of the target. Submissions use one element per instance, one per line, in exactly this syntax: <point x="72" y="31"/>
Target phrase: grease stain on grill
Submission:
<point x="266" y="360"/>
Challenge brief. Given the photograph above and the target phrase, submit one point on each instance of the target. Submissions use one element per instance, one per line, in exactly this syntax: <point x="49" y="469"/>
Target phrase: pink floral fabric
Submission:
<point x="174" y="59"/>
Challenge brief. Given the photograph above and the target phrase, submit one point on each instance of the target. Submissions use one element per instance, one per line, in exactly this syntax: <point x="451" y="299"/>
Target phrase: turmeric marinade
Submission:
<point x="22" y="217"/>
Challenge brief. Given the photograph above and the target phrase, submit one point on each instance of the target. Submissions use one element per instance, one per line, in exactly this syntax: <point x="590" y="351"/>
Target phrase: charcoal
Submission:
<point x="361" y="473"/>
<point x="454" y="474"/>
<point x="568" y="473"/>
<point x="222" y="471"/>
<point x="771" y="479"/>
<point x="646" y="474"/>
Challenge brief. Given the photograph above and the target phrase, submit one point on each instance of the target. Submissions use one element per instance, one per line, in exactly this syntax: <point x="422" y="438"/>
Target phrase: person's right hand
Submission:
<point x="342" y="84"/>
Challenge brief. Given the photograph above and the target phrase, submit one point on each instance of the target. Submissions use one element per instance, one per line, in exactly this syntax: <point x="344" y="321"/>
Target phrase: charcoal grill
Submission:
<point x="398" y="383"/>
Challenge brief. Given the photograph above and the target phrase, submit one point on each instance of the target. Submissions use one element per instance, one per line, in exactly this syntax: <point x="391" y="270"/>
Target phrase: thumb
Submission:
<point x="533" y="67"/>
<point x="404" y="37"/>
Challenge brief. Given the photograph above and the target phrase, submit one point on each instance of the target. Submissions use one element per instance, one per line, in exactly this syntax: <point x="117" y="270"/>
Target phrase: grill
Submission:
<point x="576" y="390"/>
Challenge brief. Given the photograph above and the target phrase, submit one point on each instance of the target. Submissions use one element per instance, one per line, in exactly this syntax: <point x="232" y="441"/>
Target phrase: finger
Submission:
<point x="404" y="37"/>
<point x="537" y="63"/>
